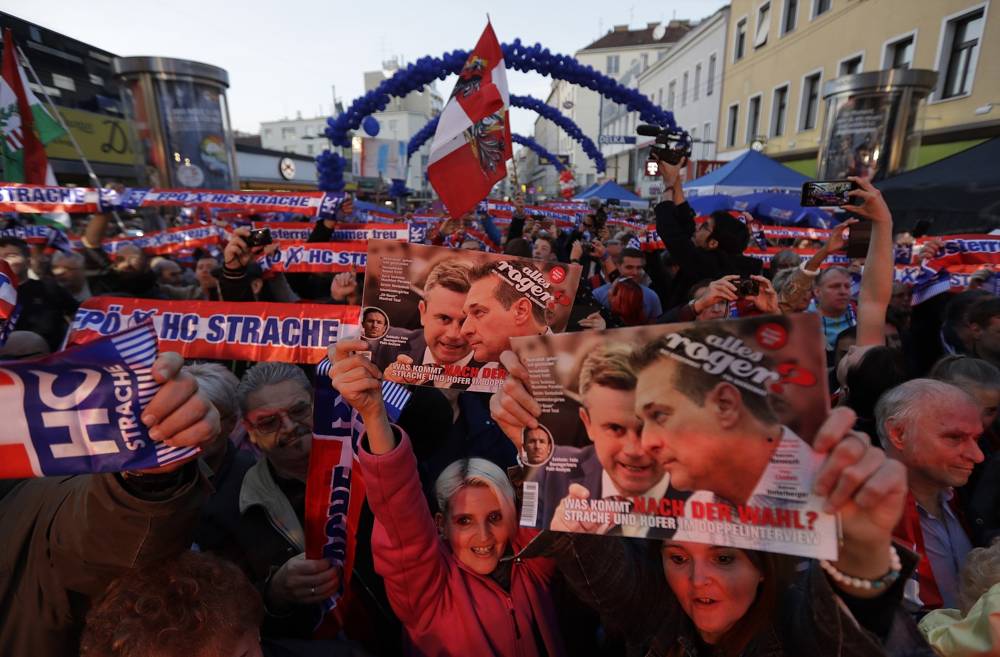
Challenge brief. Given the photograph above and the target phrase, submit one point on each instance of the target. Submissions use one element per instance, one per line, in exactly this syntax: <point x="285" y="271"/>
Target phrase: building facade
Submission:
<point x="302" y="136"/>
<point x="402" y="119"/>
<point x="622" y="54"/>
<point x="688" y="82"/>
<point x="780" y="53"/>
<point x="78" y="78"/>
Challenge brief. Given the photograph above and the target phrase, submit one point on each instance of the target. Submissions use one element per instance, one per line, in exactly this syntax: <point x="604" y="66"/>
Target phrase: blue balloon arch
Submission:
<point x="526" y="102"/>
<point x="425" y="70"/>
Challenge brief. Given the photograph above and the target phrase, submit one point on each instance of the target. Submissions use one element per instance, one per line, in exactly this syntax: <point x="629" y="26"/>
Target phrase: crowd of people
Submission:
<point x="207" y="558"/>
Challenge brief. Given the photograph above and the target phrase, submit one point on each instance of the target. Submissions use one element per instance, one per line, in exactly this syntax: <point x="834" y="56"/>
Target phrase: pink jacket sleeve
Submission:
<point x="407" y="551"/>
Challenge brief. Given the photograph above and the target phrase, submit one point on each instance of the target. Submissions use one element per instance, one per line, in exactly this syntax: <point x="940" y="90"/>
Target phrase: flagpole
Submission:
<point x="69" y="133"/>
<point x="517" y="185"/>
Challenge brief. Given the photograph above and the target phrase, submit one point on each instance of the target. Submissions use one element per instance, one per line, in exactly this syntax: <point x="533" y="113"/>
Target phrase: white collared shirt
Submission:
<point x="786" y="483"/>
<point x="429" y="360"/>
<point x="609" y="489"/>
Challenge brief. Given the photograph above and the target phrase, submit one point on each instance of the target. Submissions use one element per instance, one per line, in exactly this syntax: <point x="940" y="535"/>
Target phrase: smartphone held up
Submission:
<point x="828" y="193"/>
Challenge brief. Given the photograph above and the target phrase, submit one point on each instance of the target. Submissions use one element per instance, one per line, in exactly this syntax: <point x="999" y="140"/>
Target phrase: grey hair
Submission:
<point x="904" y="403"/>
<point x="965" y="372"/>
<point x="826" y="272"/>
<point x="72" y="256"/>
<point x="781" y="279"/>
<point x="476" y="472"/>
<point x="978" y="574"/>
<point x="265" y="374"/>
<point x="163" y="263"/>
<point x="219" y="385"/>
<point x="786" y="258"/>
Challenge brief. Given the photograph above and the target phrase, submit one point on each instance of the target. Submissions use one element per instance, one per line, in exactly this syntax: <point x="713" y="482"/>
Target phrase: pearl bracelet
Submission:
<point x="895" y="568"/>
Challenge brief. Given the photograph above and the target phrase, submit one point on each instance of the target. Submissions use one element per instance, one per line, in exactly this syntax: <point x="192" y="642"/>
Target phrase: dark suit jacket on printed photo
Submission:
<point x="554" y="486"/>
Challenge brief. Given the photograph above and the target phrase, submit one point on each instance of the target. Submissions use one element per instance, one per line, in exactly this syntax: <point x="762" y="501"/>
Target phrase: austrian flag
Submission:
<point x="472" y="143"/>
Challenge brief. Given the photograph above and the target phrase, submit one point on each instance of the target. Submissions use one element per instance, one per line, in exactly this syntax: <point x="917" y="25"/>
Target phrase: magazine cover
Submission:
<point x="691" y="432"/>
<point x="441" y="317"/>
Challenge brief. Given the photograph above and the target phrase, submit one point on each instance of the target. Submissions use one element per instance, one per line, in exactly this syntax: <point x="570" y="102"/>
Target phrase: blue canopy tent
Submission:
<point x="589" y="188"/>
<point x="710" y="203"/>
<point x="749" y="173"/>
<point x="609" y="189"/>
<point x="786" y="210"/>
<point x="751" y="202"/>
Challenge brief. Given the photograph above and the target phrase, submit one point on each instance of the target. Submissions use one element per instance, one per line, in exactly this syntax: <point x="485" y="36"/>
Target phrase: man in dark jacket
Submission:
<point x="710" y="251"/>
<point x="45" y="307"/>
<point x="66" y="538"/>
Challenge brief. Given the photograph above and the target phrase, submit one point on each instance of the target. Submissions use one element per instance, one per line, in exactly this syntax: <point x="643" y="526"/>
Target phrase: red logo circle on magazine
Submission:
<point x="557" y="275"/>
<point x="772" y="336"/>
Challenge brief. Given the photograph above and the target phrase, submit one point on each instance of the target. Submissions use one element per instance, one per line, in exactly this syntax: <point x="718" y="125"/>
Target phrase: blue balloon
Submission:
<point x="371" y="126"/>
<point x="518" y="56"/>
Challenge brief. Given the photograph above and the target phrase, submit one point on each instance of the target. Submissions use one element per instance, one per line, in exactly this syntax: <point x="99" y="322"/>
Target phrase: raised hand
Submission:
<point x="178" y="414"/>
<point x="356" y="378"/>
<point x="865" y="487"/>
<point x="237" y="254"/>
<point x="513" y="407"/>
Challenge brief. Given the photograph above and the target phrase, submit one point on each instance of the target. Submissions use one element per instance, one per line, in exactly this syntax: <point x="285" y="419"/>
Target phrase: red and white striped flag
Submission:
<point x="472" y="143"/>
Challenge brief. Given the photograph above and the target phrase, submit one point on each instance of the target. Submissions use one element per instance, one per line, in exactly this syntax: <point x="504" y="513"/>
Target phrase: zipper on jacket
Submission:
<point x="513" y="617"/>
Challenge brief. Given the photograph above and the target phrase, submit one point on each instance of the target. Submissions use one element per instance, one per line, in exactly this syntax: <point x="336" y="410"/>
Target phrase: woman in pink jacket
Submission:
<point x="452" y="580"/>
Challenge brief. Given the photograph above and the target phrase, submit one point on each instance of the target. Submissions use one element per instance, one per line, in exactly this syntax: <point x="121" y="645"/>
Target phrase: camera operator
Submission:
<point x="712" y="250"/>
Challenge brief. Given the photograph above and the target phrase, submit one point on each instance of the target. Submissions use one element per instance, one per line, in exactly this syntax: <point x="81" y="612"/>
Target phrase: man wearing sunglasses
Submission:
<point x="276" y="404"/>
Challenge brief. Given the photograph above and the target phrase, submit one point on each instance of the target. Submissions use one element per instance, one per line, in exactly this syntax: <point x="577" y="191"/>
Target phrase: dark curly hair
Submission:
<point x="194" y="605"/>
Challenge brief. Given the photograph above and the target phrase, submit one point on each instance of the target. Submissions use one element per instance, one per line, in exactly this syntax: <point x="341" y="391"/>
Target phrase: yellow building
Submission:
<point x="780" y="53"/>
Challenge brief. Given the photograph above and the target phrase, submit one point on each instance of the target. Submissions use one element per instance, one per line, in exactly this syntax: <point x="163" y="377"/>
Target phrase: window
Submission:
<point x="645" y="61"/>
<point x="684" y="90"/>
<point x="763" y="25"/>
<point x="791" y="16"/>
<point x="706" y="135"/>
<point x="711" y="75"/>
<point x="671" y="94"/>
<point x="966" y="33"/>
<point x="851" y="65"/>
<point x="63" y="82"/>
<point x="739" y="48"/>
<point x="287" y="133"/>
<point x="267" y="132"/>
<point x="697" y="80"/>
<point x="659" y="97"/>
<point x="899" y="54"/>
<point x="612" y="64"/>
<point x="309" y="149"/>
<point x="96" y="79"/>
<point x="392" y="126"/>
<point x="779" y="108"/>
<point x="810" y="101"/>
<point x="753" y="118"/>
<point x="734" y="118"/>
<point x="820" y="7"/>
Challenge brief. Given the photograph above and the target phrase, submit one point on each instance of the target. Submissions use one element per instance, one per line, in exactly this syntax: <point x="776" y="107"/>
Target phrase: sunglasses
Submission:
<point x="271" y="424"/>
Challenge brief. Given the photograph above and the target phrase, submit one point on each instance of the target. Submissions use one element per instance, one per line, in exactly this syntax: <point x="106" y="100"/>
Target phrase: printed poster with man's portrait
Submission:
<point x="691" y="432"/>
<point x="441" y="317"/>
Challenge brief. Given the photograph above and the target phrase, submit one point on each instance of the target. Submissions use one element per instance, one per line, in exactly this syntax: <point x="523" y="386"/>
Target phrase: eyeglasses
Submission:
<point x="270" y="424"/>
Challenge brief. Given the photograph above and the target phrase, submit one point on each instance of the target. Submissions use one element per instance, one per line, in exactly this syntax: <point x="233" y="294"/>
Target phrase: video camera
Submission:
<point x="676" y="142"/>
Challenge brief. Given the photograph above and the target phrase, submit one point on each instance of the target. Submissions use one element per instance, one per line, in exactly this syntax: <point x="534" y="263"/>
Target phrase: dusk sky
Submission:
<point x="284" y="57"/>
